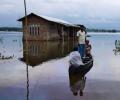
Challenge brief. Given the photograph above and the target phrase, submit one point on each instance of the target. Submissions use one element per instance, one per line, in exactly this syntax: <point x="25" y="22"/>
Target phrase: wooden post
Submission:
<point x="47" y="36"/>
<point x="62" y="40"/>
<point x="73" y="37"/>
<point x="62" y="34"/>
<point x="68" y="38"/>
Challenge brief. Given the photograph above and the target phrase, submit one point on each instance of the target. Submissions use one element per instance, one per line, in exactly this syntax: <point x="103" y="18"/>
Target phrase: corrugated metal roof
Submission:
<point x="52" y="19"/>
<point x="57" y="20"/>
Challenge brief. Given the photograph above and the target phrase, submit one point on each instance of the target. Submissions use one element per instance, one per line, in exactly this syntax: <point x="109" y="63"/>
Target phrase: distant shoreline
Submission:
<point x="103" y="33"/>
<point x="18" y="29"/>
<point x="103" y="30"/>
<point x="11" y="29"/>
<point x="10" y="32"/>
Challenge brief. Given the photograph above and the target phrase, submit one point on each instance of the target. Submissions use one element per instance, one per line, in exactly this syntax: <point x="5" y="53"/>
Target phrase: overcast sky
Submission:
<point x="92" y="13"/>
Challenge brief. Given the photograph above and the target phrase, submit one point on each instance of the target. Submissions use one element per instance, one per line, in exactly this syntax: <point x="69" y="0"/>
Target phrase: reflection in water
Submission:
<point x="77" y="76"/>
<point x="27" y="74"/>
<point x="36" y="52"/>
<point x="117" y="47"/>
<point x="77" y="81"/>
<point x="41" y="51"/>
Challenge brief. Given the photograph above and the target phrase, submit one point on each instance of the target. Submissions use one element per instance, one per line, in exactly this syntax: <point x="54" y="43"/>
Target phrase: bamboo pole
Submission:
<point x="26" y="36"/>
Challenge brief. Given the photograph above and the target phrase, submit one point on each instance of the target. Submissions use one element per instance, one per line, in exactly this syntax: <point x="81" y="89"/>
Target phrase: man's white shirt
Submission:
<point x="81" y="37"/>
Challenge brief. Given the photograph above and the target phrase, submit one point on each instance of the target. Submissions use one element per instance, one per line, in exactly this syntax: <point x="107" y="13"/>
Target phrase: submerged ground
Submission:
<point x="50" y="80"/>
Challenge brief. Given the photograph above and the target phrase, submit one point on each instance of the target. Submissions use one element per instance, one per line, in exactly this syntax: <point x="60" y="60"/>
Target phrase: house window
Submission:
<point x="34" y="29"/>
<point x="38" y="30"/>
<point x="30" y="30"/>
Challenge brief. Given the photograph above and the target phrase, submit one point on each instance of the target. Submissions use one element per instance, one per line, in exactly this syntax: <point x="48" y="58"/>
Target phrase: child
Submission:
<point x="88" y="49"/>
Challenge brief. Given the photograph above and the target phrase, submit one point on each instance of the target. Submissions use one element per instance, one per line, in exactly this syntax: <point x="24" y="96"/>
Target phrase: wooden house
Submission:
<point x="41" y="27"/>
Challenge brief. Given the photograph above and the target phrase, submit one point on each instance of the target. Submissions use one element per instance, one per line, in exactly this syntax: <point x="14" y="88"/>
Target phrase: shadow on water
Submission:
<point x="77" y="76"/>
<point x="117" y="47"/>
<point x="77" y="83"/>
<point x="27" y="85"/>
<point x="42" y="51"/>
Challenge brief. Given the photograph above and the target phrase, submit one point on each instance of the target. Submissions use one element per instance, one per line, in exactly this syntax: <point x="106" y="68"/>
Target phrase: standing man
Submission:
<point x="81" y="34"/>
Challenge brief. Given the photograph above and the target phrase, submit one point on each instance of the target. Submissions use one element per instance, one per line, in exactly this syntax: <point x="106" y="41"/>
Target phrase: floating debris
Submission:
<point x="14" y="40"/>
<point x="2" y="57"/>
<point x="88" y="36"/>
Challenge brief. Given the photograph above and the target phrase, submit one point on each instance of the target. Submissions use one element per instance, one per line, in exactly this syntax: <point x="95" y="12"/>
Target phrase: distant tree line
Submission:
<point x="103" y="30"/>
<point x="18" y="29"/>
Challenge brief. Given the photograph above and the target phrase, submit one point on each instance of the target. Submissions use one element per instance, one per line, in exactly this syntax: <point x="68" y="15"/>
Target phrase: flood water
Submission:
<point x="47" y="76"/>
